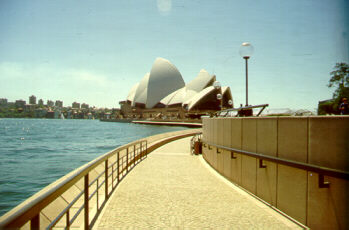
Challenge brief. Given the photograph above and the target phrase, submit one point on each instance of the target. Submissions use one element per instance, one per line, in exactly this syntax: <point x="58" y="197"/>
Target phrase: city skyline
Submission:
<point x="95" y="52"/>
<point x="49" y="103"/>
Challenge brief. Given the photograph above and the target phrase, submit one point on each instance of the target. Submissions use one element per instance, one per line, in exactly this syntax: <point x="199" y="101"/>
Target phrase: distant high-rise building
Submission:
<point x="76" y="105"/>
<point x="20" y="103"/>
<point x="3" y="102"/>
<point x="59" y="103"/>
<point x="41" y="102"/>
<point x="84" y="106"/>
<point x="50" y="103"/>
<point x="32" y="100"/>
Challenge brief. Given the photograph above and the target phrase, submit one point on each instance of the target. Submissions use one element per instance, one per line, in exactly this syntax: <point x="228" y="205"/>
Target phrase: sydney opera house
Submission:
<point x="163" y="92"/>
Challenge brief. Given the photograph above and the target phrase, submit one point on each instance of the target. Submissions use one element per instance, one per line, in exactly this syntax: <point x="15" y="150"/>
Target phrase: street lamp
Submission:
<point x="230" y="102"/>
<point x="220" y="99"/>
<point x="246" y="51"/>
<point x="217" y="86"/>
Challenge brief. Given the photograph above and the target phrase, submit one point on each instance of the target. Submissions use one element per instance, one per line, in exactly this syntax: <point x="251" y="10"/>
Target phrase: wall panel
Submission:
<point x="226" y="164"/>
<point x="236" y="169"/>
<point x="236" y="133"/>
<point x="330" y="205"/>
<point x="292" y="192"/>
<point x="249" y="164"/>
<point x="293" y="138"/>
<point x="227" y="129"/>
<point x="267" y="144"/>
<point x="329" y="142"/>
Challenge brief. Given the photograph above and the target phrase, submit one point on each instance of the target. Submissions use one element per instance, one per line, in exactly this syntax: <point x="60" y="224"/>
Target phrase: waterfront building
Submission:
<point x="50" y="103"/>
<point x="107" y="115"/>
<point x="163" y="93"/>
<point x="89" y="116"/>
<point x="3" y="102"/>
<point x="10" y="104"/>
<point x="40" y="113"/>
<point x="69" y="114"/>
<point x="57" y="114"/>
<point x="29" y="107"/>
<point x="76" y="105"/>
<point x="32" y="100"/>
<point x="84" y="106"/>
<point x="59" y="104"/>
<point x="53" y="114"/>
<point x="50" y="114"/>
<point x="41" y="102"/>
<point x="20" y="103"/>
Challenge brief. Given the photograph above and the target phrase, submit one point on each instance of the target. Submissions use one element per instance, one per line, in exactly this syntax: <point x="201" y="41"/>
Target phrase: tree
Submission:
<point x="340" y="80"/>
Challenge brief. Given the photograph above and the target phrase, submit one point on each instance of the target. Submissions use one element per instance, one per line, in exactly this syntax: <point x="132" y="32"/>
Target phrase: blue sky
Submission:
<point x="95" y="51"/>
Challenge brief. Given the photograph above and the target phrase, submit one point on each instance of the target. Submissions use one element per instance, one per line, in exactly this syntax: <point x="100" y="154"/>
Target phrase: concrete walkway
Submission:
<point x="173" y="189"/>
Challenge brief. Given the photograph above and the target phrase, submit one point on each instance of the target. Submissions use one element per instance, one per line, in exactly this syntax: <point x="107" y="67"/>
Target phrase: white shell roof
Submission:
<point x="164" y="79"/>
<point x="173" y="96"/>
<point x="226" y="90"/>
<point x="198" y="97"/>
<point x="141" y="92"/>
<point x="131" y="94"/>
<point x="200" y="82"/>
<point x="187" y="92"/>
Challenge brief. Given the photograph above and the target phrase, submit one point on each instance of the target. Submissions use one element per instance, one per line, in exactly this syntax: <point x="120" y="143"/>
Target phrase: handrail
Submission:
<point x="31" y="210"/>
<point x="226" y="111"/>
<point x="300" y="165"/>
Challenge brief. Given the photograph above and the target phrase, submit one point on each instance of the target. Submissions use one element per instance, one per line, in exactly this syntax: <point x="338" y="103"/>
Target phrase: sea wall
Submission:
<point x="320" y="141"/>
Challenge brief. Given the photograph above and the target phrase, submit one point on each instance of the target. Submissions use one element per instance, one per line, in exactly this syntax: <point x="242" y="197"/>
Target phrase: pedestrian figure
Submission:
<point x="344" y="107"/>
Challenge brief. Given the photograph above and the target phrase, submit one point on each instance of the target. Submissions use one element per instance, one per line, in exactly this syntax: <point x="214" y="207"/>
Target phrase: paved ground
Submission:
<point x="173" y="189"/>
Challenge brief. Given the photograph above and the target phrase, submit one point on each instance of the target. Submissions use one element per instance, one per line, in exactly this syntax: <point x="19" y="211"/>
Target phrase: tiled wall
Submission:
<point x="322" y="141"/>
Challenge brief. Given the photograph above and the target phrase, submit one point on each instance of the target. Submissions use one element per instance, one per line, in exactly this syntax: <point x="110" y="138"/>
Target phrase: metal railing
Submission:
<point x="322" y="171"/>
<point x="241" y="110"/>
<point x="116" y="163"/>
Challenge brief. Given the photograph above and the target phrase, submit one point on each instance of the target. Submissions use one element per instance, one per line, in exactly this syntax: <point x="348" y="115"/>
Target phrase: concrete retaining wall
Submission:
<point x="322" y="141"/>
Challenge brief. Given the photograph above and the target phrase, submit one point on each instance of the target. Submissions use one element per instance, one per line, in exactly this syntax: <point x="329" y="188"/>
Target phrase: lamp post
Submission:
<point x="230" y="102"/>
<point x="246" y="51"/>
<point x="217" y="86"/>
<point x="220" y="99"/>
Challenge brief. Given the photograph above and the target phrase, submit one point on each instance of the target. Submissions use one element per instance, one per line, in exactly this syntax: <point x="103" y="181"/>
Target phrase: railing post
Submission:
<point x="35" y="222"/>
<point x="118" y="171"/>
<point x="86" y="220"/>
<point x="112" y="176"/>
<point x="127" y="160"/>
<point x="140" y="150"/>
<point x="97" y="192"/>
<point x="139" y="153"/>
<point x="106" y="179"/>
<point x="68" y="221"/>
<point x="134" y="155"/>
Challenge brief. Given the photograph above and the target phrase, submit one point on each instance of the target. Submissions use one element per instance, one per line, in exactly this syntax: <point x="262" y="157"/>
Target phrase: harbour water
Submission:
<point x="36" y="152"/>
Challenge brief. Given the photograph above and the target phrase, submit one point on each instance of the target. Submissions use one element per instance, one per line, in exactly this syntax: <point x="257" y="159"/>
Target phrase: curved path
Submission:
<point x="173" y="189"/>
